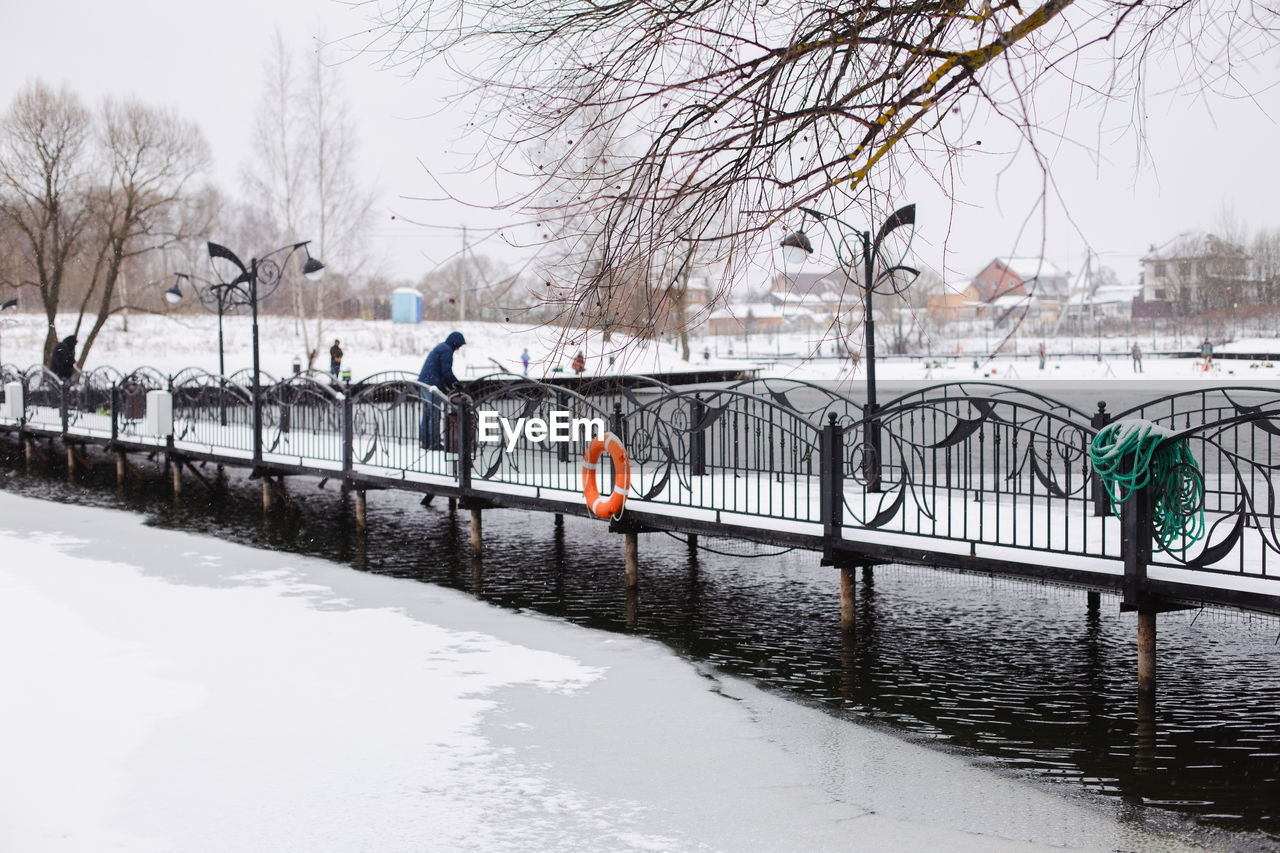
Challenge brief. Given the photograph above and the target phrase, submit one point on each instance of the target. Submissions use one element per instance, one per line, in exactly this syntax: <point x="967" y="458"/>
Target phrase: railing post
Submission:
<point x="63" y="391"/>
<point x="831" y="479"/>
<point x="871" y="448"/>
<point x="115" y="411"/>
<point x="348" y="434"/>
<point x="465" y="429"/>
<point x="257" y="423"/>
<point x="698" y="438"/>
<point x="1101" y="503"/>
<point x="1136" y="532"/>
<point x="286" y="408"/>
<point x="562" y="448"/>
<point x="616" y="425"/>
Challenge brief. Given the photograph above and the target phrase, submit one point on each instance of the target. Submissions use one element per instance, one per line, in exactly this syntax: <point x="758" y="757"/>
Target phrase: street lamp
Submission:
<point x="796" y="248"/>
<point x="249" y="283"/>
<point x="9" y="305"/>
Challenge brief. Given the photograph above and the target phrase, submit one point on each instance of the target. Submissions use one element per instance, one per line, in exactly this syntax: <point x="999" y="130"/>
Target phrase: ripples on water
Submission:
<point x="1023" y="675"/>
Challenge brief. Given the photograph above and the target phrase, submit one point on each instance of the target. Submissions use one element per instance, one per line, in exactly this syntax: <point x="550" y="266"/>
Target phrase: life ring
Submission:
<point x="610" y="505"/>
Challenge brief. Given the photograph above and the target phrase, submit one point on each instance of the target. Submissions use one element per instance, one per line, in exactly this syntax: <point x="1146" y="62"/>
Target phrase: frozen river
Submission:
<point x="169" y="691"/>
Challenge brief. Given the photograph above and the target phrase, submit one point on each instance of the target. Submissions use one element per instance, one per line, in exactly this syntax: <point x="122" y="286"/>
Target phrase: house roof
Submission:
<point x="1028" y="268"/>
<point x="752" y="311"/>
<point x="823" y="285"/>
<point x="1191" y="245"/>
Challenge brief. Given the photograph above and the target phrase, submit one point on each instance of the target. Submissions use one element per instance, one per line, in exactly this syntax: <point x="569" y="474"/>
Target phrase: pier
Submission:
<point x="973" y="476"/>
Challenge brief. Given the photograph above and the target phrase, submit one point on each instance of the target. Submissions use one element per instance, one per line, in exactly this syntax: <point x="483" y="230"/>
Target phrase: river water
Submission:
<point x="1026" y="677"/>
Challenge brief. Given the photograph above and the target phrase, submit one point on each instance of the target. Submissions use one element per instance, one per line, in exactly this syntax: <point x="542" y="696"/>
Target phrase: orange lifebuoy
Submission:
<point x="611" y="505"/>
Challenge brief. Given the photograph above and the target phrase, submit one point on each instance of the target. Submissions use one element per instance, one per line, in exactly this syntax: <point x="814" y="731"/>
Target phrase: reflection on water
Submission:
<point x="1031" y="677"/>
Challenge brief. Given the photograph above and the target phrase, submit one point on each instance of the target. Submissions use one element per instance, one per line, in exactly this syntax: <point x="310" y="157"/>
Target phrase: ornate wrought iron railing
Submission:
<point x="977" y="469"/>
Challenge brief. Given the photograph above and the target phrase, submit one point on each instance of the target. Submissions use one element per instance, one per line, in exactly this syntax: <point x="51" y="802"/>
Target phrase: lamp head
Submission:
<point x="796" y="248"/>
<point x="313" y="270"/>
<point x="174" y="294"/>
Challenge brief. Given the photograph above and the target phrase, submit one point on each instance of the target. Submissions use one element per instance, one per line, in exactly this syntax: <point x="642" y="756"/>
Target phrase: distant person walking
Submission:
<point x="1136" y="353"/>
<point x="437" y="371"/>
<point x="335" y="359"/>
<point x="1206" y="352"/>
<point x="63" y="361"/>
<point x="579" y="363"/>
<point x="1042" y="356"/>
<point x="524" y="359"/>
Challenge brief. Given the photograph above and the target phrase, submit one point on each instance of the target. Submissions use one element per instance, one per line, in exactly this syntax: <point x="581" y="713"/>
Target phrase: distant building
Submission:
<point x="950" y="304"/>
<point x="831" y="291"/>
<point x="1025" y="285"/>
<point x="1196" y="272"/>
<point x="1100" y="296"/>
<point x="743" y="320"/>
<point x="697" y="293"/>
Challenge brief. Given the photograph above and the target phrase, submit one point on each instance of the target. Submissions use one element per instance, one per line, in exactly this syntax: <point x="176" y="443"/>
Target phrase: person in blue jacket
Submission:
<point x="437" y="371"/>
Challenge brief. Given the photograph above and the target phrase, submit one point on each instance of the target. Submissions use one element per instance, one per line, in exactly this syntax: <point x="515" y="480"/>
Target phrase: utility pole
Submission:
<point x="462" y="285"/>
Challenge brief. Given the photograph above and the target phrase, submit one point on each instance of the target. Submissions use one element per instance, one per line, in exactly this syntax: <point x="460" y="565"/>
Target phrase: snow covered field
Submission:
<point x="170" y="343"/>
<point x="170" y="692"/>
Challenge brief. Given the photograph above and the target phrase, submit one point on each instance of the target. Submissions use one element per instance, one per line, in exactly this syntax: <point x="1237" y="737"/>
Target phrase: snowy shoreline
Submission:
<point x="182" y="693"/>
<point x="173" y="343"/>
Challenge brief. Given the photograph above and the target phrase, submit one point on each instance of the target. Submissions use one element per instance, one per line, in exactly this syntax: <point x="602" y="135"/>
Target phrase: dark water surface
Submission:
<point x="1024" y="676"/>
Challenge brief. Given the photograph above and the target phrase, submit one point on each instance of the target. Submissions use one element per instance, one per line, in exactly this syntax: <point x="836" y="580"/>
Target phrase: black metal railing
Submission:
<point x="979" y="469"/>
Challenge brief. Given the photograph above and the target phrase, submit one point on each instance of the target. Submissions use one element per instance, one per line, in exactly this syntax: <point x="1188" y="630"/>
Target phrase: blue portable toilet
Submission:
<point x="406" y="305"/>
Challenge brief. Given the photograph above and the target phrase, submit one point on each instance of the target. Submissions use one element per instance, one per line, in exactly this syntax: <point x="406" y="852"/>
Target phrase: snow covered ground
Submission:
<point x="169" y="692"/>
<point x="170" y="343"/>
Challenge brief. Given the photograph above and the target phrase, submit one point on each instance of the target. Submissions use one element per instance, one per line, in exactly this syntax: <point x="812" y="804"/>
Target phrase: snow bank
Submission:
<point x="170" y="692"/>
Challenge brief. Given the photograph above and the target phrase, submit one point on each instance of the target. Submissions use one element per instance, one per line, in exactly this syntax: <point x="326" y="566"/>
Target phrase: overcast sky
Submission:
<point x="206" y="60"/>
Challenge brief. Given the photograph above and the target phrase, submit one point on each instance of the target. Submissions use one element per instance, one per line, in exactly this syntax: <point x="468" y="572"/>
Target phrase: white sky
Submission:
<point x="206" y="60"/>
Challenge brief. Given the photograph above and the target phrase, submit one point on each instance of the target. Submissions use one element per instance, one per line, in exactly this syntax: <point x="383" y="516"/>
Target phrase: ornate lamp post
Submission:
<point x="797" y="248"/>
<point x="250" y="283"/>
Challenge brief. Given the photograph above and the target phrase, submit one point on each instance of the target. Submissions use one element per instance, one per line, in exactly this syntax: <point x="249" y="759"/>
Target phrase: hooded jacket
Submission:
<point x="437" y="370"/>
<point x="63" y="360"/>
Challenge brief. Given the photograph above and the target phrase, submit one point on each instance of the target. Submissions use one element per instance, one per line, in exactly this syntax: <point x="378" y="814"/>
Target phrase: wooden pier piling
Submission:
<point x="1147" y="651"/>
<point x="176" y="468"/>
<point x="362" y="511"/>
<point x="848" y="600"/>
<point x="120" y="468"/>
<point x="267" y="499"/>
<point x="1094" y="600"/>
<point x="633" y="559"/>
<point x="71" y="461"/>
<point x="477" y="539"/>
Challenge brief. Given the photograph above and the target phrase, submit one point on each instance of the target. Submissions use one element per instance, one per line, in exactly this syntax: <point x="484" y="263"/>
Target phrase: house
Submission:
<point x="1194" y="272"/>
<point x="697" y="293"/>
<point x="1099" y="295"/>
<point x="830" y="291"/>
<point x="746" y="320"/>
<point x="949" y="304"/>
<point x="1038" y="285"/>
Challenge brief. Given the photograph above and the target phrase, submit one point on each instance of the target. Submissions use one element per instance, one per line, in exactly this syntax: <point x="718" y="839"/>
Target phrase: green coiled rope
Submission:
<point x="1178" y="500"/>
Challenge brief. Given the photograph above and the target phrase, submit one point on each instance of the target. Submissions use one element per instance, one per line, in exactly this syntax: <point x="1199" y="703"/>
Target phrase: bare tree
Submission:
<point x="45" y="161"/>
<point x="147" y="201"/>
<point x="304" y="176"/>
<point x="276" y="176"/>
<point x="342" y="205"/>
<point x="743" y="110"/>
<point x="493" y="292"/>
